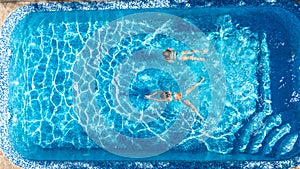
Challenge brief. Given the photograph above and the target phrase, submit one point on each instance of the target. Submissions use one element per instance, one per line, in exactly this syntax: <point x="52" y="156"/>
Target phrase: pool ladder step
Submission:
<point x="270" y="137"/>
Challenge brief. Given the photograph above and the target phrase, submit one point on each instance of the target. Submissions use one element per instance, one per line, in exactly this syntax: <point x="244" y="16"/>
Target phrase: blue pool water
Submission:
<point x="77" y="82"/>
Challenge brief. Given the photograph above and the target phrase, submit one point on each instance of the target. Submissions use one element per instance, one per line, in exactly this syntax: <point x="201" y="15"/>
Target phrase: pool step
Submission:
<point x="270" y="138"/>
<point x="278" y="133"/>
<point x="258" y="136"/>
<point x="287" y="144"/>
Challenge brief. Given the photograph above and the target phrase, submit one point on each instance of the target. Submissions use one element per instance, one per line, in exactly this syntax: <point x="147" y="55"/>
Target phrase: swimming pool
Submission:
<point x="75" y="82"/>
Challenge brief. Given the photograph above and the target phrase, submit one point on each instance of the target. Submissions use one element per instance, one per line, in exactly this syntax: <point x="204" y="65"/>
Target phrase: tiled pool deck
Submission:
<point x="7" y="7"/>
<point x="5" y="163"/>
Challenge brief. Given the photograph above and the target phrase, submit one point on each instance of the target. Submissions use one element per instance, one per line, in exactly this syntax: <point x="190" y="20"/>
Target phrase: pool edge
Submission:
<point x="19" y="14"/>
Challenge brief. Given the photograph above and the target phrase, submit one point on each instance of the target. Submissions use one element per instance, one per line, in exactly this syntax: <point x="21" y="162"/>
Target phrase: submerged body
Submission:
<point x="167" y="96"/>
<point x="171" y="55"/>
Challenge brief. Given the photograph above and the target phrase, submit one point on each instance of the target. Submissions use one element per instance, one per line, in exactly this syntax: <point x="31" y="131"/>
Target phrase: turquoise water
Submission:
<point x="46" y="118"/>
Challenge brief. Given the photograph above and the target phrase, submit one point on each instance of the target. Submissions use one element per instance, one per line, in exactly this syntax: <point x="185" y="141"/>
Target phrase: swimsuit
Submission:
<point x="170" y="96"/>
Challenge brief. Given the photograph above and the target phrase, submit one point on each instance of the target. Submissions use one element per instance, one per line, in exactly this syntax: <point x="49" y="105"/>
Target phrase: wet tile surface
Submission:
<point x="7" y="8"/>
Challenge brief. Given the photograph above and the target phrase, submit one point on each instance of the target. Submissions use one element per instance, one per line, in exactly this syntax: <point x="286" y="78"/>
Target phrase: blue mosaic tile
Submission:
<point x="5" y="53"/>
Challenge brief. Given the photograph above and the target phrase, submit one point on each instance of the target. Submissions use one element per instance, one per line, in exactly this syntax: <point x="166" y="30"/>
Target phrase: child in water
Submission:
<point x="167" y="96"/>
<point x="171" y="55"/>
